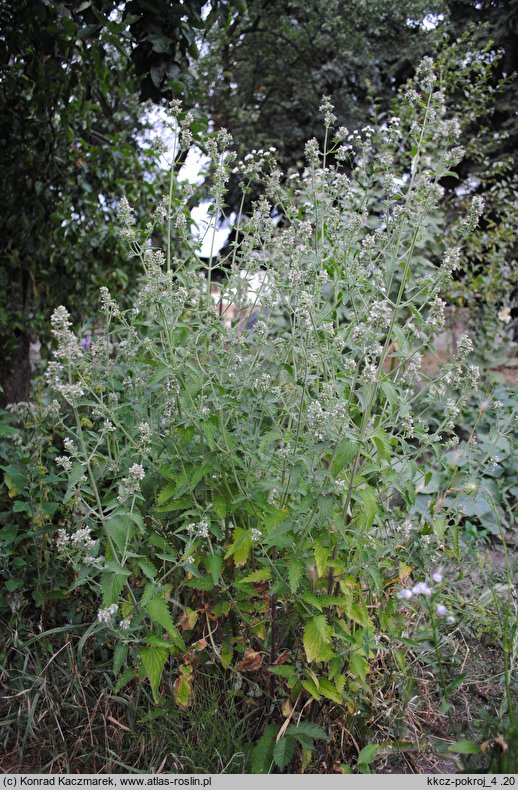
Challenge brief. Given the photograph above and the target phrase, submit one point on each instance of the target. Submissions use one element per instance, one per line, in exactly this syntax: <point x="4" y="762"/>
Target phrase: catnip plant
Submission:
<point x="242" y="459"/>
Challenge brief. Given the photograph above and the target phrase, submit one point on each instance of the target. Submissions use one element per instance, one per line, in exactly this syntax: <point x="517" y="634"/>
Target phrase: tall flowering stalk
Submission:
<point x="249" y="482"/>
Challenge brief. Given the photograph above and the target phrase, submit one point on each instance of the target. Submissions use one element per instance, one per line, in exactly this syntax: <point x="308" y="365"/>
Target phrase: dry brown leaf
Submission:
<point x="250" y="662"/>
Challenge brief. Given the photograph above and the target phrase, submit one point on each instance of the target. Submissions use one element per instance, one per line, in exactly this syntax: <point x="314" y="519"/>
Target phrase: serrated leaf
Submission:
<point x="295" y="573"/>
<point x="321" y="557"/>
<point x="147" y="567"/>
<point x="370" y="506"/>
<point x="153" y="660"/>
<point x="308" y="729"/>
<point x="329" y="690"/>
<point x="317" y="639"/>
<point x="241" y="546"/>
<point x="204" y="583"/>
<point x="283" y="752"/>
<point x="326" y="506"/>
<point x="311" y="688"/>
<point x="219" y="506"/>
<point x="120" y="528"/>
<point x="124" y="679"/>
<point x="274" y="519"/>
<point x="262" y="755"/>
<point x="390" y="393"/>
<point x="381" y="440"/>
<point x="214" y="564"/>
<point x="112" y="585"/>
<point x="261" y="575"/>
<point x="183" y="503"/>
<point x="358" y="666"/>
<point x="357" y="611"/>
<point x="150" y="591"/>
<point x="345" y="452"/>
<point x="158" y="610"/>
<point x="283" y="671"/>
<point x="166" y="493"/>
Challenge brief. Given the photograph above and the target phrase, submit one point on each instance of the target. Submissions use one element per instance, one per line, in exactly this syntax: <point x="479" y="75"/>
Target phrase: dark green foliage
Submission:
<point x="270" y="67"/>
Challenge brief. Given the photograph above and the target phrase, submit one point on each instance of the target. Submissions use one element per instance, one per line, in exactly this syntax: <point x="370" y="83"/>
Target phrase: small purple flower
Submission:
<point x="421" y="588"/>
<point x="441" y="610"/>
<point x="437" y="577"/>
<point x="405" y="594"/>
<point x="86" y="342"/>
<point x="450" y="620"/>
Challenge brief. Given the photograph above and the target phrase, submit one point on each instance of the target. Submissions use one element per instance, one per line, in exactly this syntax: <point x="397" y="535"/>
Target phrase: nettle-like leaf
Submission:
<point x="307" y="729"/>
<point x="112" y="585"/>
<point x="262" y="755"/>
<point x="283" y="752"/>
<point x="295" y="573"/>
<point x="241" y="546"/>
<point x="345" y="452"/>
<point x="317" y="639"/>
<point x="158" y="610"/>
<point x="153" y="661"/>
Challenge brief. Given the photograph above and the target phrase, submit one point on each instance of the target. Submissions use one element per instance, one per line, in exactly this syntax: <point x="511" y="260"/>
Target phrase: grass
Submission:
<point x="61" y="714"/>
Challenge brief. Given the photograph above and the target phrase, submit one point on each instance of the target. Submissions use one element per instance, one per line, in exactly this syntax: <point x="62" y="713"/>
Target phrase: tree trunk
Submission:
<point x="15" y="367"/>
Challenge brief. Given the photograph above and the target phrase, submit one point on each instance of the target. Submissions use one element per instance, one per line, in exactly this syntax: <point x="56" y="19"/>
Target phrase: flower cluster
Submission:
<point x="105" y="616"/>
<point x="80" y="539"/>
<point x="423" y="589"/>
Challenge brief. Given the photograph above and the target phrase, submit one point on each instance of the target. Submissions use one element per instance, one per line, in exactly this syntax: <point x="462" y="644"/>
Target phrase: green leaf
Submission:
<point x="370" y="506"/>
<point x="368" y="753"/>
<point x="214" y="564"/>
<point x="326" y="506"/>
<point x="11" y="585"/>
<point x="357" y="611"/>
<point x="120" y="655"/>
<point x="274" y="519"/>
<point x="390" y="393"/>
<point x="345" y="452"/>
<point x="382" y="441"/>
<point x="147" y="567"/>
<point x="317" y="639"/>
<point x="182" y="687"/>
<point x="358" y="666"/>
<point x="120" y="529"/>
<point x="153" y="660"/>
<point x="464" y="747"/>
<point x="204" y="583"/>
<point x="283" y="752"/>
<point x="74" y="477"/>
<point x="311" y="688"/>
<point x="125" y="678"/>
<point x="308" y="729"/>
<point x="241" y="546"/>
<point x="158" y="610"/>
<point x="295" y="573"/>
<point x="329" y="690"/>
<point x="112" y="584"/>
<point x="283" y="670"/>
<point x="262" y="755"/>
<point x="262" y="575"/>
<point x="183" y="503"/>
<point x="166" y="493"/>
<point x="321" y="557"/>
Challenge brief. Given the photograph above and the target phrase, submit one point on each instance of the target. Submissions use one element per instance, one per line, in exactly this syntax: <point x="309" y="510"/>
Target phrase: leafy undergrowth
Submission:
<point x="60" y="711"/>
